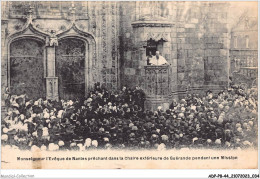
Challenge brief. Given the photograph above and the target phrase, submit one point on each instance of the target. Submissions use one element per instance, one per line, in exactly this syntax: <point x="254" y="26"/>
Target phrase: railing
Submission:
<point x="246" y="75"/>
<point x="249" y="71"/>
<point x="157" y="81"/>
<point x="157" y="85"/>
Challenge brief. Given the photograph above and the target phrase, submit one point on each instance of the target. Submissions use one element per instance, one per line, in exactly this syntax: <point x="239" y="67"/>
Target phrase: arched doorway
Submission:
<point x="26" y="68"/>
<point x="70" y="68"/>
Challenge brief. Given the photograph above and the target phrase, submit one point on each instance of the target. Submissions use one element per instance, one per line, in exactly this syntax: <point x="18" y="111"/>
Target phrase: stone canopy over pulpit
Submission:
<point x="153" y="31"/>
<point x="157" y="86"/>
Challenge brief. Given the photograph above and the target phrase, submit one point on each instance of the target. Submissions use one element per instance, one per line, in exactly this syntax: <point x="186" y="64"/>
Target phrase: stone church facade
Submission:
<point x="244" y="51"/>
<point x="60" y="49"/>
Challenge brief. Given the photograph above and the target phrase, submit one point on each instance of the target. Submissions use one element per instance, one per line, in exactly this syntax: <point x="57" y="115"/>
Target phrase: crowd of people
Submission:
<point x="117" y="120"/>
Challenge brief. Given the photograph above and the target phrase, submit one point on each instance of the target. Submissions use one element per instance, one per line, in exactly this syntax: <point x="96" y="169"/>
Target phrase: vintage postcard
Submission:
<point x="129" y="85"/>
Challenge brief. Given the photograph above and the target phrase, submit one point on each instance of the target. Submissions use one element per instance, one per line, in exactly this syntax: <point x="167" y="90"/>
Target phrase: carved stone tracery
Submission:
<point x="152" y="24"/>
<point x="114" y="55"/>
<point x="71" y="67"/>
<point x="103" y="43"/>
<point x="51" y="38"/>
<point x="157" y="86"/>
<point x="26" y="68"/>
<point x="58" y="10"/>
<point x="157" y="36"/>
<point x="157" y="81"/>
<point x="150" y="10"/>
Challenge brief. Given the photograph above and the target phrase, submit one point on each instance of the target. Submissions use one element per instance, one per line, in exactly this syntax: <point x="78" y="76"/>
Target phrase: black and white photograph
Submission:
<point x="129" y="85"/>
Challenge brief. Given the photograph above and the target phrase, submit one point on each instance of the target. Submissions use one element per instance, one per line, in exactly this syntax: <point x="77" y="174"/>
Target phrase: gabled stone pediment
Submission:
<point x="74" y="30"/>
<point x="70" y="31"/>
<point x="29" y="30"/>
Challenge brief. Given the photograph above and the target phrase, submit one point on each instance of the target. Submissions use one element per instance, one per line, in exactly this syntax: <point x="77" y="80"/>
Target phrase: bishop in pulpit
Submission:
<point x="157" y="85"/>
<point x="158" y="59"/>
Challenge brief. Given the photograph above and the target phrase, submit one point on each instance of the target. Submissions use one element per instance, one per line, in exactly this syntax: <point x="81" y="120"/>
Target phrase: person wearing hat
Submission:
<point x="173" y="104"/>
<point x="97" y="87"/>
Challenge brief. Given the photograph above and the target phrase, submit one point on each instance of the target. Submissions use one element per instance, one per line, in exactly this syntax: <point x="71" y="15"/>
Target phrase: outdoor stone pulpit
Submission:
<point x="157" y="87"/>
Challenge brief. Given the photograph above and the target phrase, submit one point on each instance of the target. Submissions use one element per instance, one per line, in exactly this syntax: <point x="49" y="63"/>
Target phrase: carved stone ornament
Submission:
<point x="29" y="15"/>
<point x="72" y="13"/>
<point x="152" y="24"/>
<point x="52" y="40"/>
<point x="158" y="36"/>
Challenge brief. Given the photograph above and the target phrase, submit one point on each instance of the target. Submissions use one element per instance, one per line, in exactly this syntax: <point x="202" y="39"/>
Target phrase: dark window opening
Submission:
<point x="151" y="47"/>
